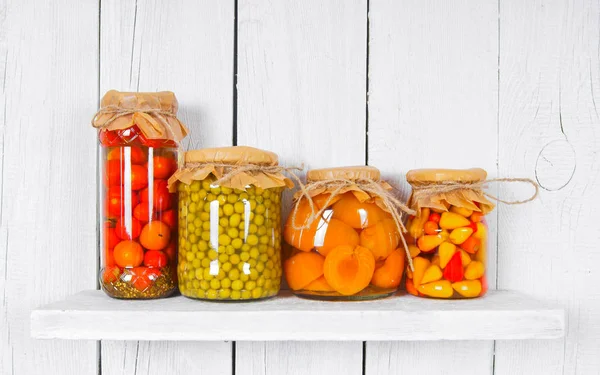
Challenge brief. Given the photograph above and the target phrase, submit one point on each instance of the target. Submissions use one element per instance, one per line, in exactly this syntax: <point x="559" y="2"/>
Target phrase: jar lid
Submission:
<point x="346" y="173"/>
<point x="235" y="155"/>
<point x="417" y="176"/>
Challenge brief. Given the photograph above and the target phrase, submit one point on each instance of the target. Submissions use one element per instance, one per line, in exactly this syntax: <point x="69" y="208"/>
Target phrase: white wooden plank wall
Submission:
<point x="301" y="93"/>
<point x="48" y="154"/>
<point x="185" y="47"/>
<point x="549" y="124"/>
<point x="500" y="75"/>
<point x="433" y="94"/>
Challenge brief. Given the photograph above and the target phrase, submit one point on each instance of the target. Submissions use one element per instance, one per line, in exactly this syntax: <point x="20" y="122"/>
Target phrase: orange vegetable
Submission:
<point x="420" y="264"/>
<point x="128" y="254"/>
<point x="451" y="220"/>
<point x="484" y="285"/>
<point x="481" y="232"/>
<point x="468" y="288"/>
<point x="474" y="270"/>
<point x="332" y="234"/>
<point x="319" y="285"/>
<point x="471" y="245"/>
<point x="462" y="211"/>
<point x="460" y="235"/>
<point x="430" y="227"/>
<point x="349" y="269"/>
<point x="381" y="238"/>
<point x="390" y="273"/>
<point x="435" y="217"/>
<point x="410" y="287"/>
<point x="155" y="235"/>
<point x="356" y="214"/>
<point x="302" y="269"/>
<point x="414" y="250"/>
<point x="437" y="289"/>
<point x="476" y="217"/>
<point x="432" y="273"/>
<point x="465" y="257"/>
<point x="415" y="225"/>
<point x="301" y="239"/>
<point x="429" y="242"/>
<point x="446" y="251"/>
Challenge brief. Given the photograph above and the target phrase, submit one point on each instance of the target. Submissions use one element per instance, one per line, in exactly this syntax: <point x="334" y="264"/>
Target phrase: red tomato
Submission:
<point x="111" y="238"/>
<point x="142" y="212"/>
<point x="109" y="257"/>
<point x="115" y="204"/>
<point x="156" y="143"/>
<point x="139" y="177"/>
<point x="155" y="258"/>
<point x="128" y="232"/>
<point x="129" y="135"/>
<point x="163" y="166"/>
<point x="168" y="217"/>
<point x="143" y="277"/>
<point x="111" y="274"/>
<point x="435" y="217"/>
<point x="171" y="251"/>
<point x="113" y="174"/>
<point x="161" y="198"/>
<point x="137" y="156"/>
<point x="109" y="138"/>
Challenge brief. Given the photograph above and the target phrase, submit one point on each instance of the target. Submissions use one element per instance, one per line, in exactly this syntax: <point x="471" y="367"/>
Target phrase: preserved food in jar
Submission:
<point x="347" y="246"/>
<point x="139" y="138"/>
<point x="230" y="223"/>
<point x="448" y="235"/>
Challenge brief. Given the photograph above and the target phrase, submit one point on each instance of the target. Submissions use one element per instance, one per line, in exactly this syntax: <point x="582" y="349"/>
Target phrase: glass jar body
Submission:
<point x="229" y="241"/>
<point x="350" y="253"/>
<point x="138" y="231"/>
<point x="448" y="250"/>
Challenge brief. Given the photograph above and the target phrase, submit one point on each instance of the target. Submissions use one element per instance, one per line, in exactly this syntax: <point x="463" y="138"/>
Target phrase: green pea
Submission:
<point x="260" y="209"/>
<point x="233" y="232"/>
<point x="207" y="275"/>
<point x="205" y="216"/>
<point x="205" y="236"/>
<point x="198" y="273"/>
<point x="238" y="207"/>
<point x="225" y="283"/>
<point x="196" y="263"/>
<point x="206" y="185"/>
<point x="234" y="259"/>
<point x="223" y="258"/>
<point x="215" y="190"/>
<point x="235" y="294"/>
<point x="237" y="285"/>
<point x="206" y="207"/>
<point x="222" y="199"/>
<point x="189" y="256"/>
<point x="246" y="294"/>
<point x="223" y="222"/>
<point x="195" y="197"/>
<point x="252" y="240"/>
<point x="206" y="262"/>
<point x="211" y="294"/>
<point x="206" y="225"/>
<point x="234" y="274"/>
<point x="257" y="293"/>
<point x="261" y="230"/>
<point x="202" y="194"/>
<point x="227" y="266"/>
<point x="224" y="239"/>
<point x="237" y="243"/>
<point x="204" y="284"/>
<point x="198" y="232"/>
<point x="212" y="254"/>
<point x="234" y="219"/>
<point x="259" y="220"/>
<point x="228" y="209"/>
<point x="254" y="253"/>
<point x="245" y="256"/>
<point x="195" y="186"/>
<point x="224" y="293"/>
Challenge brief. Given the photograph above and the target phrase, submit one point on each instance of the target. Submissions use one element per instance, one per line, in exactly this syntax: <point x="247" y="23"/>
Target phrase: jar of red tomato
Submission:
<point x="139" y="136"/>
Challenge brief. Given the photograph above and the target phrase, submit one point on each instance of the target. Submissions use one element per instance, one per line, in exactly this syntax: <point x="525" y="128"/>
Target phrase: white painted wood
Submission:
<point x="263" y="358"/>
<point x="301" y="93"/>
<point x="48" y="52"/>
<point x="433" y="82"/>
<point x="185" y="47"/>
<point x="499" y="315"/>
<point x="549" y="86"/>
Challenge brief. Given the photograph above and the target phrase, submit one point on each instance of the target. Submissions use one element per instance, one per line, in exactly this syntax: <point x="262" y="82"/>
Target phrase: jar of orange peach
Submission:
<point x="448" y="236"/>
<point x="344" y="240"/>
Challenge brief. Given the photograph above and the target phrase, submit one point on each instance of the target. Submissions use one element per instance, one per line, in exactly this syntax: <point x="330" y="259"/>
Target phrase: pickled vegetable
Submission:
<point x="230" y="242"/>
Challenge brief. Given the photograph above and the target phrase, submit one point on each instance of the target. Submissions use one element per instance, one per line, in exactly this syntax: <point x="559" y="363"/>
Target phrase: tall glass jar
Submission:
<point x="448" y="236"/>
<point x="230" y="231"/>
<point x="138" y="214"/>
<point x="352" y="251"/>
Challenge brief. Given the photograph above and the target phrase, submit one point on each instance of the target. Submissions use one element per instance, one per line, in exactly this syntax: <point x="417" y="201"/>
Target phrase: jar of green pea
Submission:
<point x="229" y="223"/>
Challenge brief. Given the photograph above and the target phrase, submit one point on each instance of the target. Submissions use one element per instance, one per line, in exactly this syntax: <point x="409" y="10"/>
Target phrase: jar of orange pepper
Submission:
<point x="139" y="138"/>
<point x="448" y="235"/>
<point x="345" y="240"/>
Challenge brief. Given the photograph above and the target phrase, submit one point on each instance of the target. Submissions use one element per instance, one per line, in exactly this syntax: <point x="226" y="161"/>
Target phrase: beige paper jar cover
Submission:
<point x="354" y="174"/>
<point x="155" y="114"/>
<point x="245" y="166"/>
<point x="440" y="188"/>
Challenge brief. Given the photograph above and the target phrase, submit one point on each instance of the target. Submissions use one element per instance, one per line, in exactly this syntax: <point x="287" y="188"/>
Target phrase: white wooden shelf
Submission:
<point x="498" y="315"/>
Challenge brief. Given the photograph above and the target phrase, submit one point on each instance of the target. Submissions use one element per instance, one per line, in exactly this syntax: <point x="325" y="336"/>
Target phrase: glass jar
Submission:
<point x="138" y="231"/>
<point x="351" y="251"/>
<point x="230" y="232"/>
<point x="448" y="236"/>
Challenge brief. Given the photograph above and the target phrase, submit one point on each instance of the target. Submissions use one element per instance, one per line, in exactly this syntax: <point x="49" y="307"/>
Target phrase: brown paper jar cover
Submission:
<point x="254" y="167"/>
<point x="464" y="197"/>
<point x="153" y="112"/>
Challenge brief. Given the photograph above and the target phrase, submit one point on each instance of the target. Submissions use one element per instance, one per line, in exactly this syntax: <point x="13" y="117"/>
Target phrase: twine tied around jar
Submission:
<point x="424" y="191"/>
<point x="117" y="112"/>
<point x="232" y="170"/>
<point x="335" y="186"/>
